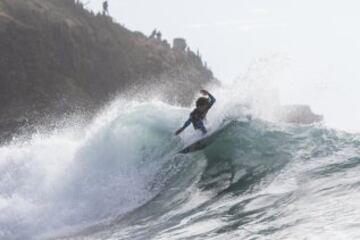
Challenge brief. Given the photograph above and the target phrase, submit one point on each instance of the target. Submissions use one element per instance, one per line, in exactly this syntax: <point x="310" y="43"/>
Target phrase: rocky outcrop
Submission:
<point x="58" y="58"/>
<point x="299" y="114"/>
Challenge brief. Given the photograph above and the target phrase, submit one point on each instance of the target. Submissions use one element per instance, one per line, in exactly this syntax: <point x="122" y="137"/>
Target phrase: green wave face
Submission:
<point x="122" y="178"/>
<point x="256" y="180"/>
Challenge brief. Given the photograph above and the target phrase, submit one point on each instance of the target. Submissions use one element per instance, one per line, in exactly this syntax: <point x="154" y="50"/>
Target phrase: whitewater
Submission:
<point x="120" y="177"/>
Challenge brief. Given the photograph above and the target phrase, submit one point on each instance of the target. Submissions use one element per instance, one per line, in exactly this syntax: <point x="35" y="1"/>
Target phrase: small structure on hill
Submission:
<point x="179" y="44"/>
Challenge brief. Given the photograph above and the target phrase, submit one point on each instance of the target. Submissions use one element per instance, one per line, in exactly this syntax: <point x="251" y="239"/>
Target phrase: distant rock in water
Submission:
<point x="301" y="114"/>
<point x="57" y="58"/>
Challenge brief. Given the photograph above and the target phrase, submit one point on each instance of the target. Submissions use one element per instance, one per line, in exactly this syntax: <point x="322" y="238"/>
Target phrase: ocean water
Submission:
<point x="120" y="177"/>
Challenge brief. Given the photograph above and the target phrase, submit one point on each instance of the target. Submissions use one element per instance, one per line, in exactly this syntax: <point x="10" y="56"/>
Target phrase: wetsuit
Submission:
<point x="197" y="117"/>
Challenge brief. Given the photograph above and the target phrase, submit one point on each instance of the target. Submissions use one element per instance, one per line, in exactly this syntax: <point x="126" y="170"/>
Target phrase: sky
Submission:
<point x="313" y="46"/>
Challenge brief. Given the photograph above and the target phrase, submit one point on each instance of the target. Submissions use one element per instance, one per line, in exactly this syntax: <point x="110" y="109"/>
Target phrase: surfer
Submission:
<point x="203" y="104"/>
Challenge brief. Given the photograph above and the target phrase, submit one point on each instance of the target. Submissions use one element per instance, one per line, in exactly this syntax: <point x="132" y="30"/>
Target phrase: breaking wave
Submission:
<point x="121" y="178"/>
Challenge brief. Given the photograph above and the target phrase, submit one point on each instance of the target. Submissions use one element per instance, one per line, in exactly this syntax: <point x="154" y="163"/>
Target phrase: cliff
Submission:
<point x="57" y="58"/>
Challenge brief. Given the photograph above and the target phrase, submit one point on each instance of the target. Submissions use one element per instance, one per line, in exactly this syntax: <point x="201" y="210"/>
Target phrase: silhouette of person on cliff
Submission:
<point x="158" y="35"/>
<point x="153" y="34"/>
<point x="198" y="115"/>
<point x="105" y="8"/>
<point x="165" y="43"/>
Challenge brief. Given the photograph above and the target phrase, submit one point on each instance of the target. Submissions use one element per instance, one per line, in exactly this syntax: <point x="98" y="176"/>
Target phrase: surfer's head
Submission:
<point x="202" y="103"/>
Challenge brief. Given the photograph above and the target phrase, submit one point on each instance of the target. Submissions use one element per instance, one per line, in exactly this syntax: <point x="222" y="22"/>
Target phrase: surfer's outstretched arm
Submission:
<point x="212" y="99"/>
<point x="186" y="124"/>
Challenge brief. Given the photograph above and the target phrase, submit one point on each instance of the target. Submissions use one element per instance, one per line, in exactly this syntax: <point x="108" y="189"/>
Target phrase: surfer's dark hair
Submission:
<point x="202" y="101"/>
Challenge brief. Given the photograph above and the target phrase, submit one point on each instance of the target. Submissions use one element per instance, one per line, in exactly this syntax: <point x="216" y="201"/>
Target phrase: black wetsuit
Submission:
<point x="197" y="117"/>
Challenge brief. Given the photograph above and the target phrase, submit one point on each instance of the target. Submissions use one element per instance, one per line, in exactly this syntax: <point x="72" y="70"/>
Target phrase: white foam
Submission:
<point x="85" y="174"/>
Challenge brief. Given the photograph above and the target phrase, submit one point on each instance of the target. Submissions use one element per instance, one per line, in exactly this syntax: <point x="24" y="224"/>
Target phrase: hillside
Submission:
<point x="59" y="58"/>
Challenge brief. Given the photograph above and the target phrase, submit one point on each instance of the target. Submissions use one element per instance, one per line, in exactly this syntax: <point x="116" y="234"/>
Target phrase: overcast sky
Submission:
<point x="314" y="43"/>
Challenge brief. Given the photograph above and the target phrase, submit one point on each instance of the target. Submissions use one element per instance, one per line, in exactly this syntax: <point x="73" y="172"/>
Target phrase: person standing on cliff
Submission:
<point x="158" y="35"/>
<point x="153" y="33"/>
<point x="197" y="117"/>
<point x="105" y="8"/>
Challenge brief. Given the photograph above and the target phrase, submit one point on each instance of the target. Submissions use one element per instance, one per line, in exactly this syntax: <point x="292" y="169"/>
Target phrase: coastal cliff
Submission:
<point x="57" y="59"/>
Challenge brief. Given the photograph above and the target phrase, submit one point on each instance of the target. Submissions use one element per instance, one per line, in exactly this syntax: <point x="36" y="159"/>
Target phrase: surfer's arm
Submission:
<point x="212" y="99"/>
<point x="186" y="124"/>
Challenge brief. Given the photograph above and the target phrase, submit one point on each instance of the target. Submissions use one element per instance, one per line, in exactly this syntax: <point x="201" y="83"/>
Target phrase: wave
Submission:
<point x="121" y="178"/>
<point x="257" y="180"/>
<point x="83" y="174"/>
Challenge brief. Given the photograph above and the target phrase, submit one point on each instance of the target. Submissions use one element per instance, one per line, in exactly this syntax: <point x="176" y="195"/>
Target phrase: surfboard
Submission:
<point x="209" y="139"/>
<point x="201" y="143"/>
<point x="196" y="146"/>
